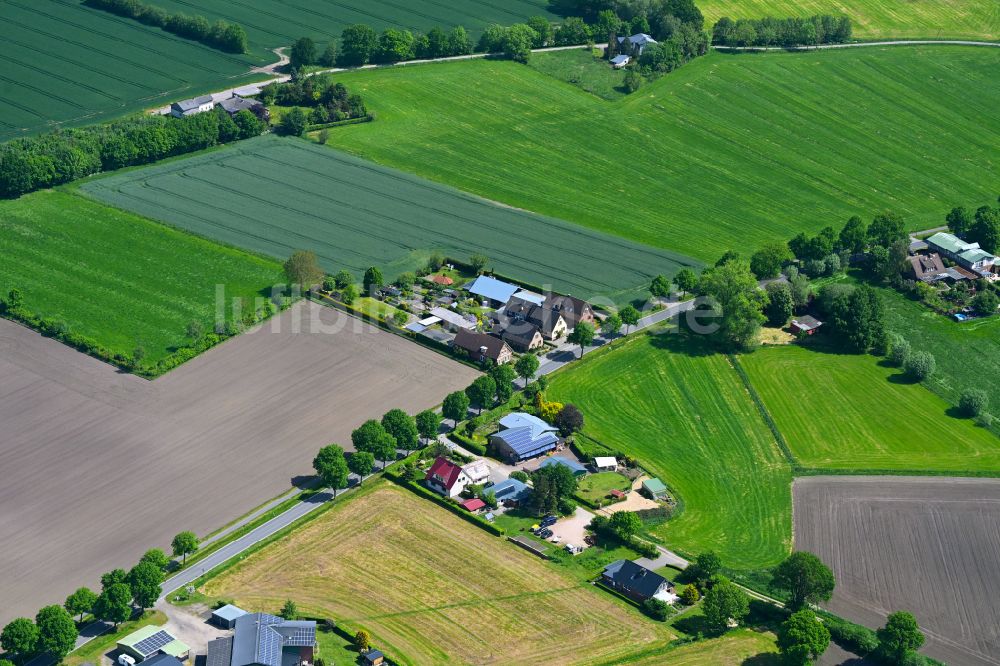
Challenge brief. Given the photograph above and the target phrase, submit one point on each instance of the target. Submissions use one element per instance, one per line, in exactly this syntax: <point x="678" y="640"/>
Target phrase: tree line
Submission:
<point x="62" y="156"/>
<point x="772" y="31"/>
<point x="328" y="101"/>
<point x="222" y="35"/>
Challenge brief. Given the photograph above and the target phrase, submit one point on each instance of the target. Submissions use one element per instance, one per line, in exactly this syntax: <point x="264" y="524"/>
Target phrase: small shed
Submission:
<point x="654" y="488"/>
<point x="806" y="324"/>
<point x="605" y="463"/>
<point x="150" y="641"/>
<point x="473" y="505"/>
<point x="374" y="658"/>
<point x="225" y="616"/>
<point x="620" y="61"/>
<point x="617" y="494"/>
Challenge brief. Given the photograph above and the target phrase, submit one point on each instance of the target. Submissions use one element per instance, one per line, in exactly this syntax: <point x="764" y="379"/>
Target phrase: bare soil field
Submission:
<point x="927" y="545"/>
<point x="99" y="465"/>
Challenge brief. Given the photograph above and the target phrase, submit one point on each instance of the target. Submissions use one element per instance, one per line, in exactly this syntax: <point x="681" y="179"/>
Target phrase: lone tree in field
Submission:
<point x="582" y="335"/>
<point x="183" y="545"/>
<point x="114" y="605"/>
<point x="455" y="407"/>
<point x="526" y="367"/>
<point x="806" y="579"/>
<point x="57" y="632"/>
<point x="372" y="280"/>
<point x="361" y="463"/>
<point x="900" y="636"/>
<point x="80" y="602"/>
<point x="428" y="424"/>
<point x="289" y="611"/>
<point x="403" y="427"/>
<point x="478" y="262"/>
<point x="973" y="401"/>
<point x="362" y="641"/>
<point x="920" y="365"/>
<point x="481" y="392"/>
<point x="331" y="467"/>
<point x="302" y="269"/>
<point x="724" y="603"/>
<point x="629" y="316"/>
<point x="803" y="638"/>
<point x="19" y="637"/>
<point x="144" y="580"/>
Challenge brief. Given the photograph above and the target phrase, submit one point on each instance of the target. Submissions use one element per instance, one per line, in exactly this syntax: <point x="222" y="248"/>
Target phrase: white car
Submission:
<point x="555" y="538"/>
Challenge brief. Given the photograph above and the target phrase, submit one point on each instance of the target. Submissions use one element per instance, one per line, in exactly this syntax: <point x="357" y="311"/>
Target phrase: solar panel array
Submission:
<point x="148" y="646"/>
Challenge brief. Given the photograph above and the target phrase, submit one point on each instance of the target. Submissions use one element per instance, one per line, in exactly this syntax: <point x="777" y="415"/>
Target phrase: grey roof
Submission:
<point x="163" y="660"/>
<point x="634" y="578"/>
<point x="640" y="38"/>
<point x="524" y="444"/>
<point x="235" y="104"/>
<point x="220" y="652"/>
<point x="491" y="288"/>
<point x="193" y="103"/>
<point x="509" y="489"/>
<point x="260" y="637"/>
<point x="807" y="322"/>
<point x="566" y="462"/>
<point x="229" y="612"/>
<point x="620" y="59"/>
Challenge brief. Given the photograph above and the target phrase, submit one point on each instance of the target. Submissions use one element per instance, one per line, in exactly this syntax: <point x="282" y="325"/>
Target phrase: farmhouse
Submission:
<point x="635" y="44"/>
<point x="806" y="324"/>
<point x="226" y="616"/>
<point x="235" y="104"/>
<point x="967" y="255"/>
<point x="452" y="320"/>
<point x="636" y="581"/>
<point x="575" y="467"/>
<point x="620" y="61"/>
<point x="261" y="639"/>
<point x="150" y="641"/>
<point x="924" y="267"/>
<point x="191" y="107"/>
<point x="654" y="488"/>
<point x="477" y="471"/>
<point x="496" y="292"/>
<point x="482" y="347"/>
<point x="446" y="478"/>
<point x="573" y="310"/>
<point x="523" y="436"/>
<point x="520" y="335"/>
<point x="511" y="490"/>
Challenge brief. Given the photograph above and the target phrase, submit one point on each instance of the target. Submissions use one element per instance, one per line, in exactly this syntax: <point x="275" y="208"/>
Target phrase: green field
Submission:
<point x="878" y="19"/>
<point x="63" y="64"/>
<point x="846" y="411"/>
<point x="584" y="70"/>
<point x="116" y="277"/>
<point x="272" y="23"/>
<point x="685" y="415"/>
<point x="275" y="195"/>
<point x="727" y="151"/>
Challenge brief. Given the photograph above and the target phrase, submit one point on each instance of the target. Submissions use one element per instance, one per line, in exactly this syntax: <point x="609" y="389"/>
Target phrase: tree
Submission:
<point x="455" y="407"/>
<point x="899" y="351"/>
<point x="801" y="290"/>
<point x="865" y="320"/>
<point x="633" y="80"/>
<point x="357" y="44"/>
<point x="481" y="392"/>
<point x="582" y="335"/>
<point x="734" y="292"/>
<point x="329" y="56"/>
<point x="690" y="595"/>
<point x="395" y="45"/>
<point x="625" y="524"/>
<point x="375" y="439"/>
<point x="362" y="641"/>
<point x="959" y="220"/>
<point x="6" y="662"/>
<point x="780" y="306"/>
<point x="569" y="420"/>
<point x="428" y="424"/>
<point x="543" y="31"/>
<point x="724" y="603"/>
<point x="113" y="577"/>
<point x="686" y="280"/>
<point x="57" y="632"/>
<point x="517" y="42"/>
<point x="144" y="580"/>
<point x="802" y="638"/>
<point x="478" y="262"/>
<point x="986" y="229"/>
<point x="349" y="294"/>
<point x="289" y="611"/>
<point x="660" y="286"/>
<point x="19" y="637"/>
<point x="706" y="565"/>
<point x="80" y="602"/>
<point x="183" y="545"/>
<point x="805" y="578"/>
<point x="361" y="463"/>
<point x="973" y="402"/>
<point x="302" y="269"/>
<point x="727" y="256"/>
<point x="853" y="236"/>
<point x="985" y="302"/>
<point x="331" y="467"/>
<point x="492" y="39"/>
<point x="526" y="366"/>
<point x="900" y="635"/>
<point x="459" y="42"/>
<point x="550" y="485"/>
<point x="402" y="427"/>
<point x="372" y="280"/>
<point x="766" y="262"/>
<point x="611" y="325"/>
<point x="504" y="376"/>
<point x="303" y="53"/>
<point x="114" y="605"/>
<point x="920" y="365"/>
<point x="629" y="316"/>
<point x="343" y="279"/>
<point x="658" y="609"/>
<point x="293" y="122"/>
<point x="886" y="229"/>
<point x="156" y="557"/>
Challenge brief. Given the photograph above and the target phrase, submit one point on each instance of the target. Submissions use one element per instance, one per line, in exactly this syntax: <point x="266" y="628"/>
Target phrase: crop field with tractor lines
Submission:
<point x="276" y="195"/>
<point x="64" y="64"/>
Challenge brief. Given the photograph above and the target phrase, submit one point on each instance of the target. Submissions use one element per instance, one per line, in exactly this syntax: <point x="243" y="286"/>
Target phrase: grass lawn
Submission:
<point x="726" y="152"/>
<point x="595" y="487"/>
<point x="684" y="414"/>
<point x="584" y="70"/>
<point x="740" y="646"/>
<point x="847" y="411"/>
<point x="333" y="648"/>
<point x="433" y="589"/>
<point x="877" y="19"/>
<point x="116" y="277"/>
<point x="92" y="652"/>
<point x="375" y="308"/>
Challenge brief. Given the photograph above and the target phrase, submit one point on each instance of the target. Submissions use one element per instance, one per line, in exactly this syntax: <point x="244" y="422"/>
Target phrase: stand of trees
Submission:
<point x="34" y="163"/>
<point x="229" y="37"/>
<point x="771" y="31"/>
<point x="329" y="101"/>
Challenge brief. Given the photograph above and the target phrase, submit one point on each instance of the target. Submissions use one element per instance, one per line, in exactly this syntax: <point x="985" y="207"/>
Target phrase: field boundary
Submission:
<point x="734" y="362"/>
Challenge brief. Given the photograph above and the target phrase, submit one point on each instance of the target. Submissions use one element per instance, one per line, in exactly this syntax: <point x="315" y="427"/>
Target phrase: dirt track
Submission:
<point x="99" y="465"/>
<point x="927" y="545"/>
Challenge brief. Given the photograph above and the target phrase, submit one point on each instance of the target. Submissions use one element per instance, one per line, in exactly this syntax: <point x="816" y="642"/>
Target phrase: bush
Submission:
<point x="520" y="475"/>
<point x="643" y="547"/>
<point x="984" y="420"/>
<point x="567" y="507"/>
<point x="854" y="637"/>
<point x="899" y="350"/>
<point x="973" y="402"/>
<point x="656" y="609"/>
<point x="690" y="595"/>
<point x="920" y="365"/>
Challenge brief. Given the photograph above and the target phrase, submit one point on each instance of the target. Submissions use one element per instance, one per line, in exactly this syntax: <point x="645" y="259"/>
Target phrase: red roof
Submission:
<point x="474" y="504"/>
<point x="616" y="493"/>
<point x="444" y="472"/>
<point x="442" y="279"/>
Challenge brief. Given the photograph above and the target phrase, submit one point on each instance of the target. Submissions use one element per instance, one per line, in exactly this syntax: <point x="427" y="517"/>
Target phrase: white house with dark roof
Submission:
<point x="191" y="107"/>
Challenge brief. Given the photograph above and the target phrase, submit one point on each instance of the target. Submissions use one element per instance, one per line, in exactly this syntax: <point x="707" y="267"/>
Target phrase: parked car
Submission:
<point x="126" y="660"/>
<point x="573" y="550"/>
<point x="548" y="521"/>
<point x="555" y="538"/>
<point x="545" y="533"/>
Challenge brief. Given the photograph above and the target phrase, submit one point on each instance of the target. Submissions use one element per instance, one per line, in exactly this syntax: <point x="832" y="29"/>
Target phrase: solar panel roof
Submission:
<point x="151" y="645"/>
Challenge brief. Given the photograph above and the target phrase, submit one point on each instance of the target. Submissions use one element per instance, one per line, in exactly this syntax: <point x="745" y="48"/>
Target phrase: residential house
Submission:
<point x="442" y="280"/>
<point x="446" y="478"/>
<point x="262" y="639"/>
<point x="620" y="60"/>
<point x="452" y="320"/>
<point x="522" y="336"/>
<point x="482" y="347"/>
<point x="530" y="296"/>
<point x="654" y="488"/>
<point x="473" y="505"/>
<point x="967" y="255"/>
<point x="605" y="463"/>
<point x="635" y="44"/>
<point x="235" y="104"/>
<point x="924" y="267"/>
<point x="575" y="467"/>
<point x="191" y="107"/>
<point x="953" y="274"/>
<point x="573" y="310"/>
<point x="150" y="641"/>
<point x="226" y="616"/>
<point x="477" y="471"/>
<point x="523" y="436"/>
<point x="496" y="292"/>
<point x="511" y="491"/>
<point x="636" y="581"/>
<point x="549" y="322"/>
<point x="806" y="324"/>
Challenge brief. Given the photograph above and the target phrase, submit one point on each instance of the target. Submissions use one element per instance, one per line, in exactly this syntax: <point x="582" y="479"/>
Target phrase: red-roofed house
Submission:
<point x="474" y="504"/>
<point x="442" y="280"/>
<point x="446" y="477"/>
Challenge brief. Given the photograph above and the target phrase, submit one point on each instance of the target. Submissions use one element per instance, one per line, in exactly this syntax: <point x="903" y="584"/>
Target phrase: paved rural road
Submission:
<point x="855" y="45"/>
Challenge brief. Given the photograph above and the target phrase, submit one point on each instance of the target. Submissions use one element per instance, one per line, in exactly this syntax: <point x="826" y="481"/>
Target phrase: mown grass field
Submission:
<point x="272" y="23"/>
<point x="728" y="151"/>
<point x="735" y="648"/>
<point x="846" y="411"/>
<point x="115" y="277"/>
<point x="276" y="195"/>
<point x="64" y="64"/>
<point x="433" y="589"/>
<point x="878" y="19"/>
<point x="686" y="416"/>
<point x="584" y="70"/>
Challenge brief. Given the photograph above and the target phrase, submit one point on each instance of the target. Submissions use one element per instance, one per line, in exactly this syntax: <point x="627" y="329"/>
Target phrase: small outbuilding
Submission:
<point x="654" y="488"/>
<point x="374" y="658"/>
<point x="150" y="641"/>
<point x="620" y="61"/>
<point x="806" y="324"/>
<point x="473" y="505"/>
<point x="605" y="463"/>
<point x="226" y="616"/>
